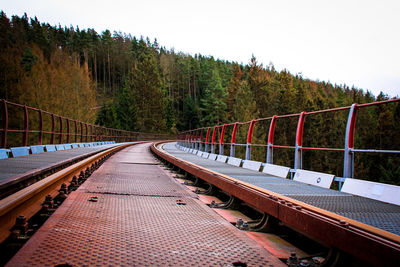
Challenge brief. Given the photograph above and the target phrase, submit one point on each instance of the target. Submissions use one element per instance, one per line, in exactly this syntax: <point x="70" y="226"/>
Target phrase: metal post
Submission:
<point x="40" y="137"/>
<point x="233" y="139"/>
<point x="5" y="125"/>
<point x="86" y="132"/>
<point x="53" y="128"/>
<point x="196" y="144"/>
<point x="213" y="139"/>
<point x="68" y="134"/>
<point x="92" y="137"/>
<point x="81" y="132"/>
<point x="270" y="148"/>
<point x="298" y="157"/>
<point x="201" y="140"/>
<point x="76" y="132"/>
<point x="207" y="139"/>
<point x="60" y="141"/>
<point x="26" y="127"/>
<point x="249" y="137"/>
<point x="221" y="140"/>
<point x="348" y="168"/>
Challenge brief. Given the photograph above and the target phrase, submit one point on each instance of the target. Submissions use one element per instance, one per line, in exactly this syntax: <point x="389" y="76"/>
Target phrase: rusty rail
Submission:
<point x="29" y="200"/>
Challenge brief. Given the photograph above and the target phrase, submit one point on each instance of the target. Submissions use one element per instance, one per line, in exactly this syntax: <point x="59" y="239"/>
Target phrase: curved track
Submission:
<point x="344" y="234"/>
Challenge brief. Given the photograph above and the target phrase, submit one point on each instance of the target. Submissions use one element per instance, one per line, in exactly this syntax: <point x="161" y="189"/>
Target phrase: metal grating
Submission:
<point x="101" y="225"/>
<point x="378" y="214"/>
<point x="139" y="231"/>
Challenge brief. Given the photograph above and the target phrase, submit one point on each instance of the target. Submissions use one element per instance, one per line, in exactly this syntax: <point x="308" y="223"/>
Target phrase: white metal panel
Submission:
<point x="383" y="192"/>
<point x="314" y="178"/>
<point x="276" y="170"/>
<point x="234" y="161"/>
<point x="205" y="155"/>
<point x="212" y="156"/>
<point x="222" y="158"/>
<point x="195" y="151"/>
<point x="251" y="165"/>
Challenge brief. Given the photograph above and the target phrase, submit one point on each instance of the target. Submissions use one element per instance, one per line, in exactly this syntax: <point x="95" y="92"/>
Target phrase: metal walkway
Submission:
<point x="131" y="212"/>
<point x="375" y="213"/>
<point x="19" y="169"/>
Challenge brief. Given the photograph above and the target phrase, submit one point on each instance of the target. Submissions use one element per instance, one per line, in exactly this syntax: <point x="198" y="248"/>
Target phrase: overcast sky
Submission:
<point x="342" y="41"/>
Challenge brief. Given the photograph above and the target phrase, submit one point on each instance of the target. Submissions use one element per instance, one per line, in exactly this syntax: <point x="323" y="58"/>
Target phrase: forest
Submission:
<point x="133" y="83"/>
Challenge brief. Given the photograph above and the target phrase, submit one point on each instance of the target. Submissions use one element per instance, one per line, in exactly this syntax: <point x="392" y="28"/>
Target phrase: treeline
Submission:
<point x="131" y="83"/>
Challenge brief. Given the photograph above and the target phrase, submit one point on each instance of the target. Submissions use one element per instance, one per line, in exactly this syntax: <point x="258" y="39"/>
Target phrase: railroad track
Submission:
<point x="342" y="235"/>
<point x="41" y="198"/>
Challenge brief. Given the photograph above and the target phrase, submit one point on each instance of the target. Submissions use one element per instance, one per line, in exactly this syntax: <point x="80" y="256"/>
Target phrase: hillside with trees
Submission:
<point x="132" y="83"/>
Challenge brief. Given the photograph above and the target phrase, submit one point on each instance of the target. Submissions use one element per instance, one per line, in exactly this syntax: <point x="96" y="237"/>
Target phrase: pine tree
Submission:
<point x="126" y="110"/>
<point x="148" y="92"/>
<point x="213" y="104"/>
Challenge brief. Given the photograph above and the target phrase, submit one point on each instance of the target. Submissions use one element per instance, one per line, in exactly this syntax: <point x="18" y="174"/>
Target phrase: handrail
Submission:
<point x="62" y="129"/>
<point x="348" y="149"/>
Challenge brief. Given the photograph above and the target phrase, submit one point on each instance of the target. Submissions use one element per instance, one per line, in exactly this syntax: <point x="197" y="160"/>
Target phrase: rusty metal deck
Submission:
<point x="131" y="212"/>
<point x="13" y="170"/>
<point x="371" y="212"/>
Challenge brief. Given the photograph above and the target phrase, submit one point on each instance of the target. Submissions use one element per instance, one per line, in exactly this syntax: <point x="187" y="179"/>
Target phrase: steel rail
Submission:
<point x="353" y="237"/>
<point x="28" y="201"/>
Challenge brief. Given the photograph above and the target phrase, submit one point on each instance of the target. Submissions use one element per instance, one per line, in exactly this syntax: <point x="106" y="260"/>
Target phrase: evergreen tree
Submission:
<point x="191" y="114"/>
<point x="148" y="92"/>
<point x="126" y="110"/>
<point x="213" y="103"/>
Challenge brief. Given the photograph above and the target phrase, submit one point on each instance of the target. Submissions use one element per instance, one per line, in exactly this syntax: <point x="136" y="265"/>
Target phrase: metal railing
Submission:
<point x="209" y="138"/>
<point x="24" y="126"/>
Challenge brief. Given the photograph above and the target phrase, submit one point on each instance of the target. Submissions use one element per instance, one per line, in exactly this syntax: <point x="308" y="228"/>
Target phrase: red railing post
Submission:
<point x="81" y="131"/>
<point x="213" y="139"/>
<point x="197" y="141"/>
<point x="86" y="132"/>
<point x="233" y="139"/>
<point x="201" y="139"/>
<point x="76" y="131"/>
<point x="298" y="159"/>
<point x="60" y="138"/>
<point x="26" y="127"/>
<point x="222" y="140"/>
<point x="53" y="128"/>
<point x="40" y="137"/>
<point x="348" y="168"/>
<point x="5" y="125"/>
<point x="68" y="133"/>
<point x="270" y="148"/>
<point x="91" y="133"/>
<point x="249" y="138"/>
<point x="207" y="139"/>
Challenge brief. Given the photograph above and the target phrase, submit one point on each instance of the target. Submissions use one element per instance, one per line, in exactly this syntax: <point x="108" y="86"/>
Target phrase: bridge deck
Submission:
<point x="131" y="212"/>
<point x="14" y="170"/>
<point x="375" y="213"/>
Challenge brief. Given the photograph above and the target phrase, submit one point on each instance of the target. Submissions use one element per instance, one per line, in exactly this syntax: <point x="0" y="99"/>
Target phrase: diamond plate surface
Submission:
<point x="117" y="229"/>
<point x="378" y="214"/>
<point x="20" y="165"/>
<point x="134" y="171"/>
<point x="139" y="231"/>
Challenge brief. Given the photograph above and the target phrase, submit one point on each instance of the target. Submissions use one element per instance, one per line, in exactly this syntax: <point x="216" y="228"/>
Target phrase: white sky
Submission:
<point x="342" y="41"/>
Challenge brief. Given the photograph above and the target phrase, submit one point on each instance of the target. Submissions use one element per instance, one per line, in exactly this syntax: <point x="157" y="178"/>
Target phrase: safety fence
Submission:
<point x="284" y="139"/>
<point x="22" y="125"/>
